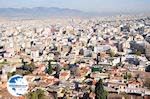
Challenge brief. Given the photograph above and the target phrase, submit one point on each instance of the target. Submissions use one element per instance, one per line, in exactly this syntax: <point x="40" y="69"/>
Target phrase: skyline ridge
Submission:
<point x="45" y="12"/>
<point x="83" y="5"/>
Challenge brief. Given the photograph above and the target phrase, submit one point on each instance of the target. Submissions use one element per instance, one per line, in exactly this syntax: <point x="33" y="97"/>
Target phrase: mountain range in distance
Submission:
<point x="50" y="11"/>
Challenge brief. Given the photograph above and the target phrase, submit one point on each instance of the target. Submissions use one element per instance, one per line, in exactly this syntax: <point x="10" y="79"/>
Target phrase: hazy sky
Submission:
<point x="84" y="5"/>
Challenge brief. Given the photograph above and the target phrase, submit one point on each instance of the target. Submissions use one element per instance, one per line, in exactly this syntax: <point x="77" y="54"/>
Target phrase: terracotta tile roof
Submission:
<point x="64" y="74"/>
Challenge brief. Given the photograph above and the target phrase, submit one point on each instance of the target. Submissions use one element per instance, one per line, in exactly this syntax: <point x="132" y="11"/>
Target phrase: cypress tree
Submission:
<point x="99" y="90"/>
<point x="49" y="70"/>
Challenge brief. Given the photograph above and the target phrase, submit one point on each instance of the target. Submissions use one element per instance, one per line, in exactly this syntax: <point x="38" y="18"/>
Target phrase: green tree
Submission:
<point x="147" y="69"/>
<point x="127" y="76"/>
<point x="99" y="90"/>
<point x="26" y="68"/>
<point x="23" y="62"/>
<point x="41" y="94"/>
<point x="112" y="53"/>
<point x="38" y="94"/>
<point x="9" y="74"/>
<point x="49" y="69"/>
<point x="31" y="66"/>
<point x="138" y="53"/>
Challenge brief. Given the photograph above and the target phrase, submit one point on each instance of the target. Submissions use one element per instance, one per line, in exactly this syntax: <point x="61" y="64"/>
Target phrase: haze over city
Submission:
<point x="83" y="5"/>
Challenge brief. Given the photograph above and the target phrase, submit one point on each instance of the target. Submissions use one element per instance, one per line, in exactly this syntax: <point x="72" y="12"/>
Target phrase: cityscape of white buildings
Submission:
<point x="81" y="51"/>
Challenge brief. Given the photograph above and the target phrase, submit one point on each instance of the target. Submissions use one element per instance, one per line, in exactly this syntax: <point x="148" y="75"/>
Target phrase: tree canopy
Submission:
<point x="99" y="90"/>
<point x="147" y="69"/>
<point x="49" y="69"/>
<point x="38" y="94"/>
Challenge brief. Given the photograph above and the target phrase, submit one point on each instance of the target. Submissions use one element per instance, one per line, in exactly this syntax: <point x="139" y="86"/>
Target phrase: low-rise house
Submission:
<point x="34" y="53"/>
<point x="84" y="70"/>
<point x="134" y="84"/>
<point x="40" y="70"/>
<point x="134" y="90"/>
<point x="122" y="87"/>
<point x="64" y="75"/>
<point x="50" y="80"/>
<point x="98" y="75"/>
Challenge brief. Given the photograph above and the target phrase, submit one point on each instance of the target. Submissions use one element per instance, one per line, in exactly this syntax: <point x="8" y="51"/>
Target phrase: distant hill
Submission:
<point x="40" y="12"/>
